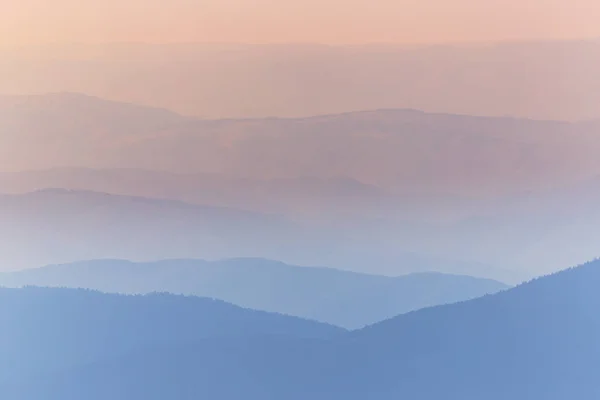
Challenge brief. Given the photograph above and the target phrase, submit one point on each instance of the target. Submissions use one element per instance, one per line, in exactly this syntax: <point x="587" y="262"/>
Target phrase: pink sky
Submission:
<point x="323" y="21"/>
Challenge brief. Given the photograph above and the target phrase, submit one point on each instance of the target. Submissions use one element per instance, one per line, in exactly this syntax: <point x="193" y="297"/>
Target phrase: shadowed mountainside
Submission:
<point x="538" y="340"/>
<point x="46" y="330"/>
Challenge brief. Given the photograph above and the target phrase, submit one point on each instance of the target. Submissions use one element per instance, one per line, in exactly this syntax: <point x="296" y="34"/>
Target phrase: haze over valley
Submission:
<point x="390" y="192"/>
<point x="257" y="200"/>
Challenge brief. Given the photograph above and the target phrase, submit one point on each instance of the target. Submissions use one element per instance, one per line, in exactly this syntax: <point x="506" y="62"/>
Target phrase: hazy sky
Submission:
<point x="323" y="21"/>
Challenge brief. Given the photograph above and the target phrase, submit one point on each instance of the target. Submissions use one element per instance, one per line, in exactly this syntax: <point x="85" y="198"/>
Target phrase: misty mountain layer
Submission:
<point x="400" y="149"/>
<point x="539" y="80"/>
<point x="337" y="297"/>
<point x="396" y="190"/>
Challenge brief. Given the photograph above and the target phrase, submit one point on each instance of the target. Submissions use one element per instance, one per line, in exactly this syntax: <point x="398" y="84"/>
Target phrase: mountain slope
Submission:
<point x="537" y="341"/>
<point x="338" y="297"/>
<point x="46" y="330"/>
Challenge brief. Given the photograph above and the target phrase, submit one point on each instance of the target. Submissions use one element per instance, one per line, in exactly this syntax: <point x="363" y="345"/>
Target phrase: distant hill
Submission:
<point x="301" y="197"/>
<point x="394" y="189"/>
<point x="45" y="330"/>
<point x="298" y="80"/>
<point x="57" y="226"/>
<point x="402" y="149"/>
<point x="536" y="341"/>
<point x="337" y="297"/>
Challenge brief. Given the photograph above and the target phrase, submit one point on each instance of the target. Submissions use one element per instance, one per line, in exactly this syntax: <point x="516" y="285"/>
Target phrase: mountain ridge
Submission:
<point x="538" y="340"/>
<point x="342" y="298"/>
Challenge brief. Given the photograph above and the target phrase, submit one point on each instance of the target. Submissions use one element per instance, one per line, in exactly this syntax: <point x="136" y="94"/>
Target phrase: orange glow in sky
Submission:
<point x="322" y="21"/>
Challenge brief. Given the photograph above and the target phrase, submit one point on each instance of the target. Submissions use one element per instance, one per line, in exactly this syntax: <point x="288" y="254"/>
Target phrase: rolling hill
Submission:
<point x="302" y="198"/>
<point x="341" y="298"/>
<point x="65" y="226"/>
<point x="298" y="80"/>
<point x="536" y="341"/>
<point x="46" y="330"/>
<point x="390" y="148"/>
<point x="57" y="226"/>
<point x="392" y="188"/>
